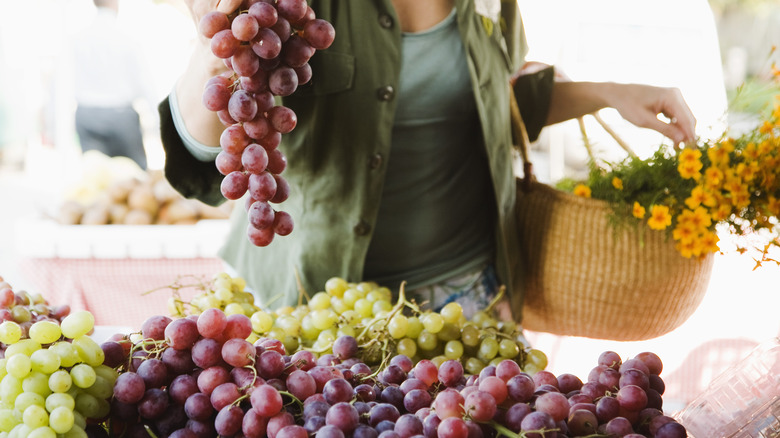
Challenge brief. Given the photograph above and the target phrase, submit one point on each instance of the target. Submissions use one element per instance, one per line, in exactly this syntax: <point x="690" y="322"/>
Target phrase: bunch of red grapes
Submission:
<point x="266" y="46"/>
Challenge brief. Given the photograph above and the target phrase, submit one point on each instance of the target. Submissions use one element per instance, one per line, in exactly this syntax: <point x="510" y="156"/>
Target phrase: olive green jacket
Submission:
<point x="337" y="154"/>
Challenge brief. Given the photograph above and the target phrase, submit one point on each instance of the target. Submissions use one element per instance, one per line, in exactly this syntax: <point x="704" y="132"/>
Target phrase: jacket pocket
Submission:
<point x="332" y="72"/>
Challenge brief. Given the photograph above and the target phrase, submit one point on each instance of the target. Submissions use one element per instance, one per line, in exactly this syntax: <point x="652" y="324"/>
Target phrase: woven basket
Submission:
<point x="582" y="276"/>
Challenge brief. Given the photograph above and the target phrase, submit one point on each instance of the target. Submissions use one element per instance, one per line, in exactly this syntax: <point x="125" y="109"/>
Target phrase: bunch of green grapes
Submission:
<point x="53" y="382"/>
<point x="222" y="292"/>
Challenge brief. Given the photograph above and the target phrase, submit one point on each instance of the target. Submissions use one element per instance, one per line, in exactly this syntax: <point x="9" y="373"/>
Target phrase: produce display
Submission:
<point x="145" y="198"/>
<point x="267" y="48"/>
<point x="219" y="367"/>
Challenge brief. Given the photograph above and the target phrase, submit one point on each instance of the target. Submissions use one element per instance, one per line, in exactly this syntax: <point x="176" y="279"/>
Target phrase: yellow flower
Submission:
<point x="774" y="206"/>
<point x="696" y="198"/>
<point x="766" y="127"/>
<point x="617" y="183"/>
<point x="689" y="248"/>
<point x="689" y="155"/>
<point x="740" y="198"/>
<point x="582" y="190"/>
<point x="683" y="232"/>
<point x="710" y="242"/>
<point x="700" y="218"/>
<point x="713" y="177"/>
<point x="659" y="217"/>
<point x="690" y="163"/>
<point x="722" y="213"/>
<point x="638" y="211"/>
<point x="719" y="154"/>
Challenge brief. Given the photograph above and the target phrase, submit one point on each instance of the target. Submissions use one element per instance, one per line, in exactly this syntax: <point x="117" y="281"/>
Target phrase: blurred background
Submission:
<point x="719" y="53"/>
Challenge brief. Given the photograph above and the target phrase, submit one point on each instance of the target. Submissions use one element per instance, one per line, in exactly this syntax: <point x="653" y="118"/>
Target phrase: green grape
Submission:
<point x="398" y="326"/>
<point x="488" y="349"/>
<point x="77" y="324"/>
<point x="288" y="324"/>
<point x="10" y="332"/>
<point x="45" y="332"/>
<point x="366" y="286"/>
<point x="414" y="327"/>
<point x="107" y="373"/>
<point x="406" y="347"/>
<point x="234" y="309"/>
<point x="364" y="307"/>
<point x="89" y="350"/>
<point x="469" y="335"/>
<point x="374" y="296"/>
<point x="346" y="330"/>
<point x="453" y="350"/>
<point x="43" y="432"/>
<point x="474" y="365"/>
<point x="37" y="382"/>
<point x="27" y="399"/>
<point x="451" y="312"/>
<point x="19" y="365"/>
<point x="382" y="314"/>
<point x="300" y="312"/>
<point x="9" y="418"/>
<point x="285" y="310"/>
<point x="261" y="322"/>
<point x="324" y="318"/>
<point x="531" y="369"/>
<point x="497" y="360"/>
<point x="67" y="352"/>
<point x="58" y="399"/>
<point x="79" y="419"/>
<point x="75" y="432"/>
<point x="61" y="419"/>
<point x="433" y="322"/>
<point x="21" y="314"/>
<point x="381" y="306"/>
<point x="20" y="430"/>
<point x="319" y="301"/>
<point x="327" y="337"/>
<point x="387" y="294"/>
<point x="35" y="416"/>
<point x="350" y="297"/>
<point x="276" y="333"/>
<point x="291" y="343"/>
<point x="45" y="361"/>
<point x="83" y="375"/>
<point x="536" y="358"/>
<point x="10" y="388"/>
<point x="308" y="330"/>
<point x="508" y="348"/>
<point x="88" y="405"/>
<point x="351" y="317"/>
<point x="438" y="360"/>
<point x="338" y="305"/>
<point x="23" y="346"/>
<point x="427" y="340"/>
<point x="449" y="332"/>
<point x="479" y="318"/>
<point x="224" y="294"/>
<point x="336" y="286"/>
<point x="101" y="389"/>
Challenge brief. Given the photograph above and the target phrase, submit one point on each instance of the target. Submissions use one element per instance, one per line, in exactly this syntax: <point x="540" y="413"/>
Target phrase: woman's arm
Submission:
<point x="637" y="103"/>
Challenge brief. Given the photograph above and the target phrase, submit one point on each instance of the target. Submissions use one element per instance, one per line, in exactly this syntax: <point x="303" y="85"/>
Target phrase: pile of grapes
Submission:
<point x="267" y="46"/>
<point x="382" y="328"/>
<point x="199" y="377"/>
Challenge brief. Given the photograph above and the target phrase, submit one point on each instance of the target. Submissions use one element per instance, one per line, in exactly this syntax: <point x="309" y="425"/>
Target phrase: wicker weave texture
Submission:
<point x="583" y="277"/>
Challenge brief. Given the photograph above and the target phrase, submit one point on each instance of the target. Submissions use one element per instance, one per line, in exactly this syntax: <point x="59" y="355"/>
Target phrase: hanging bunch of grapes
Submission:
<point x="266" y="46"/>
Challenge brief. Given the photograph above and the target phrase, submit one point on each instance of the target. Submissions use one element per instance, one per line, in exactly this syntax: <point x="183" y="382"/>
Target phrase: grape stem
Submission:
<point x="301" y="290"/>
<point x="496" y="299"/>
<point x="503" y="431"/>
<point x="294" y="398"/>
<point x="150" y="431"/>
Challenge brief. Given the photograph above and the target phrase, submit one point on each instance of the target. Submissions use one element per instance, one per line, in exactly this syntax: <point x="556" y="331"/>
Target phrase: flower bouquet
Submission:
<point x="691" y="193"/>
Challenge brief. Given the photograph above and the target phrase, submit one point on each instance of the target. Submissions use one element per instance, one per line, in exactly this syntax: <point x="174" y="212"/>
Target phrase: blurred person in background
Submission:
<point x="109" y="76"/>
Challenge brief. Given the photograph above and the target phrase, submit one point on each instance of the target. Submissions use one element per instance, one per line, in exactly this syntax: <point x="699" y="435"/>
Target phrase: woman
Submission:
<point x="400" y="166"/>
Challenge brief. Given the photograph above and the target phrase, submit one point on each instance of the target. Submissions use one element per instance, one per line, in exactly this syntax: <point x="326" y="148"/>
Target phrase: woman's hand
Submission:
<point x="637" y="103"/>
<point x="641" y="105"/>
<point x="199" y="8"/>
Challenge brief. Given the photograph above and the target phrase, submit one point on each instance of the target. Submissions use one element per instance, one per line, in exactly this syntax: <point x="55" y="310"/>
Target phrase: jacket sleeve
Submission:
<point x="533" y="93"/>
<point x="189" y="176"/>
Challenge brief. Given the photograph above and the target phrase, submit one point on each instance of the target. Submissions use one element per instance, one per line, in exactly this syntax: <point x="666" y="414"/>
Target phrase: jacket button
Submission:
<point x="375" y="161"/>
<point x="385" y="93"/>
<point x="362" y="228"/>
<point x="386" y="21"/>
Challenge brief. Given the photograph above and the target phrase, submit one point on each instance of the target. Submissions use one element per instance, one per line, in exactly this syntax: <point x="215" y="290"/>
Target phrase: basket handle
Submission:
<point x="521" y="138"/>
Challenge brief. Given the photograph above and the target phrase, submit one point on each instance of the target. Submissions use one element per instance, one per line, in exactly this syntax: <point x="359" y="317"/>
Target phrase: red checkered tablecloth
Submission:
<point x="113" y="289"/>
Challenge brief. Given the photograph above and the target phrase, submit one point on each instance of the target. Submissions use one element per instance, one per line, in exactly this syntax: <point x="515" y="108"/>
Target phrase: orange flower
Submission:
<point x="638" y="211"/>
<point x="582" y="190"/>
<point x="617" y="183"/>
<point x="659" y="217"/>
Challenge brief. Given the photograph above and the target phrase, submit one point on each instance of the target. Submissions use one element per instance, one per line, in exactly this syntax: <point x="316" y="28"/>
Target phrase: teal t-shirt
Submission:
<point x="436" y="214"/>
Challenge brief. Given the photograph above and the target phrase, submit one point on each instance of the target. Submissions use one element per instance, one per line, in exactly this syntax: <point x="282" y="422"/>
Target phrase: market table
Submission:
<point x="107" y="269"/>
